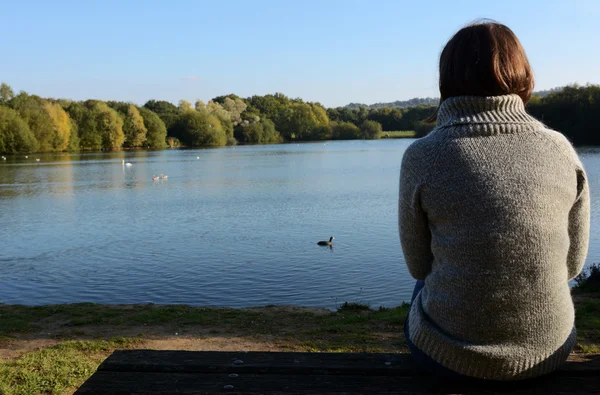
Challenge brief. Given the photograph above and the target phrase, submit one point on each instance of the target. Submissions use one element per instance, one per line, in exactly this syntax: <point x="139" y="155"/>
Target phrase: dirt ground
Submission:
<point x="156" y="337"/>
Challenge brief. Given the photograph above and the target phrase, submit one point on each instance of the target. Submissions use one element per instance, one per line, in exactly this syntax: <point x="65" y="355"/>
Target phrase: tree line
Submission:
<point x="29" y="123"/>
<point x="573" y="110"/>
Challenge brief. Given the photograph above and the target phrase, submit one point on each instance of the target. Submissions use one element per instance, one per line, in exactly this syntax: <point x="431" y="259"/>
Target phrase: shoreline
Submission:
<point x="394" y="135"/>
<point x="54" y="348"/>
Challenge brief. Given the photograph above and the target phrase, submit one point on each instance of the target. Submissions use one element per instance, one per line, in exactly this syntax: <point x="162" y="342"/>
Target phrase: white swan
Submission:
<point x="126" y="164"/>
<point x="197" y="157"/>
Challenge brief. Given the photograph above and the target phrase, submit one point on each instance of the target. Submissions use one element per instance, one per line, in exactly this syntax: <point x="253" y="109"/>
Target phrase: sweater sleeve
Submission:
<point x="415" y="236"/>
<point x="579" y="226"/>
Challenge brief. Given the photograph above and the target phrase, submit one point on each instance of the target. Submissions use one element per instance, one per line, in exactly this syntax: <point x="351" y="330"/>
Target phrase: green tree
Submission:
<point x="62" y="125"/>
<point x="185" y="105"/>
<point x="573" y="111"/>
<point x="334" y="114"/>
<point x="228" y="127"/>
<point x="157" y="131"/>
<point x="370" y="130"/>
<point x="74" y="136"/>
<point x="301" y="121"/>
<point x="6" y="93"/>
<point x="199" y="128"/>
<point x="119" y="106"/>
<point x="87" y="129"/>
<point x="15" y="135"/>
<point x="166" y="111"/>
<point x="271" y="106"/>
<point x="235" y="108"/>
<point x="32" y="110"/>
<point x="362" y="114"/>
<point x="134" y="128"/>
<point x="224" y="116"/>
<point x="270" y="135"/>
<point x="348" y="115"/>
<point x="109" y="125"/>
<point x="344" y="131"/>
<point x="389" y="118"/>
<point x="422" y="128"/>
<point x="221" y="99"/>
<point x="259" y="132"/>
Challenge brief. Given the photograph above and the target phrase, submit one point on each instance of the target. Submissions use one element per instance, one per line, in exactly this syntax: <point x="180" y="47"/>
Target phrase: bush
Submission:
<point x="323" y="132"/>
<point x="344" y="131"/>
<point x="588" y="280"/>
<point x="198" y="129"/>
<point x="261" y="132"/>
<point x="423" y="128"/>
<point x="353" y="307"/>
<point x="370" y="130"/>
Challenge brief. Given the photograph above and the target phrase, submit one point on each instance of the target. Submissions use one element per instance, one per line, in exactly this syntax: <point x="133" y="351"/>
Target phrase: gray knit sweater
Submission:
<point x="494" y="216"/>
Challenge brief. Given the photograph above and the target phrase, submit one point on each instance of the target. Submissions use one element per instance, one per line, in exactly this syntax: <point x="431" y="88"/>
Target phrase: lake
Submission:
<point x="233" y="226"/>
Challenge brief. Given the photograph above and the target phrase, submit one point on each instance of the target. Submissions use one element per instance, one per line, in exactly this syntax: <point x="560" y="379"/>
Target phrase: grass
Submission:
<point x="351" y="326"/>
<point x="588" y="281"/>
<point x="398" y="134"/>
<point x="587" y="300"/>
<point x="58" y="369"/>
<point x="63" y="367"/>
<point x="354" y="327"/>
<point x="587" y="322"/>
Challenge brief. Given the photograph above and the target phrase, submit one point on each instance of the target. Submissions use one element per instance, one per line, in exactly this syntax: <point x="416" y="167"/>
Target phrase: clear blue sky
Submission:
<point x="331" y="51"/>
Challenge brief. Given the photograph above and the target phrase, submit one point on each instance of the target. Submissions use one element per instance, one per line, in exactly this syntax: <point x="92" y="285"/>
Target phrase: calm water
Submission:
<point x="236" y="227"/>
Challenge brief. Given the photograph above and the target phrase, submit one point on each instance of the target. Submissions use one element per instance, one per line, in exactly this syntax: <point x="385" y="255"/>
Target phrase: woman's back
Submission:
<point x="496" y="190"/>
<point x="494" y="217"/>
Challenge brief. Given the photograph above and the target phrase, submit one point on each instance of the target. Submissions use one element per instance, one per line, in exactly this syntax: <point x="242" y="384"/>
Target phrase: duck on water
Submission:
<point x="327" y="243"/>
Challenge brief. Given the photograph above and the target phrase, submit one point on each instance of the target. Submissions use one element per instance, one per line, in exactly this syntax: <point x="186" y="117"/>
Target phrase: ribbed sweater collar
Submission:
<point x="485" y="115"/>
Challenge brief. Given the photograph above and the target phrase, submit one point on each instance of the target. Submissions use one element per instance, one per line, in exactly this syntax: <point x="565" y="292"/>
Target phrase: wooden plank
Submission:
<point x="293" y="363"/>
<point x="260" y="362"/>
<point x="109" y="382"/>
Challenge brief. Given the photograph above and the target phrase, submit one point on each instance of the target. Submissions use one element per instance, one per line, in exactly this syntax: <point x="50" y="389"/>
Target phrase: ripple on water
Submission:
<point x="233" y="228"/>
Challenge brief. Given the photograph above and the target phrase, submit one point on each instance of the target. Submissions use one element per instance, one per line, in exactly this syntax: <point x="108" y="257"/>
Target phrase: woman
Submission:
<point x="494" y="220"/>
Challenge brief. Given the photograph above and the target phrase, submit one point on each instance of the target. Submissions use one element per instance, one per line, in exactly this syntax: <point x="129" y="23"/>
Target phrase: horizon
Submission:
<point x="336" y="53"/>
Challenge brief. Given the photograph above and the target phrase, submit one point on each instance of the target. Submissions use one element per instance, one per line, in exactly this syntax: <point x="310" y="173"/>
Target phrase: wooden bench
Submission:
<point x="207" y="372"/>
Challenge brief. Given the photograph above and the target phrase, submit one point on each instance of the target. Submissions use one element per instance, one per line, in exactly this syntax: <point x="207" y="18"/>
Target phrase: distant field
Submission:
<point x="398" y="134"/>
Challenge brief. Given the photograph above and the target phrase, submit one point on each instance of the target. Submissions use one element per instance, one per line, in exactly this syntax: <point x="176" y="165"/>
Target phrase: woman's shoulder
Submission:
<point x="426" y="147"/>
<point x="559" y="143"/>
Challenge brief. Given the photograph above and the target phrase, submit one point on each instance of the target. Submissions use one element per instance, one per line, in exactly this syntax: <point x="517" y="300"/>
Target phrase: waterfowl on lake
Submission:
<point x="126" y="164"/>
<point x="326" y="243"/>
<point x="154" y="178"/>
<point x="197" y="157"/>
<point x="37" y="159"/>
<point x="26" y="157"/>
<point x="164" y="177"/>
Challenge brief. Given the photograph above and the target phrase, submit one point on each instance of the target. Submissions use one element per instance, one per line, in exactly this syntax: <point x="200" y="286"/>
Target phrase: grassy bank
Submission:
<point x="587" y="302"/>
<point x="53" y="349"/>
<point x="398" y="134"/>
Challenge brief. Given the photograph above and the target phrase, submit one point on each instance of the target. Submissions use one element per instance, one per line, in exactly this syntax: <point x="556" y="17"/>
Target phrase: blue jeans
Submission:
<point x="425" y="361"/>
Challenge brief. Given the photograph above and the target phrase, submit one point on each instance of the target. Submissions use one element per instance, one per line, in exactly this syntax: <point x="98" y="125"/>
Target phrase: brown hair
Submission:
<point x="485" y="59"/>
